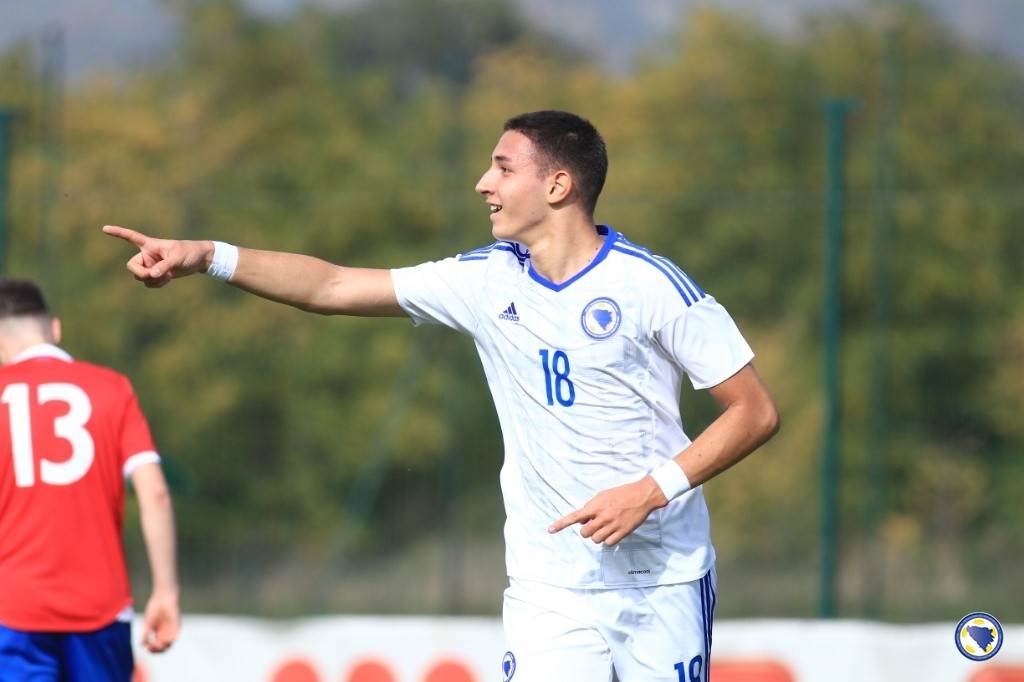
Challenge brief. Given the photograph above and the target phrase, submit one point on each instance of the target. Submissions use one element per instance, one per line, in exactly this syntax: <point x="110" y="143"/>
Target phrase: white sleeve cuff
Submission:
<point x="137" y="460"/>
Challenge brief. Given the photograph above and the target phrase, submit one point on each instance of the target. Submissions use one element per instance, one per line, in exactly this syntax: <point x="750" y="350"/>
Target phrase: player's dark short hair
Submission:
<point x="567" y="141"/>
<point x="21" y="298"/>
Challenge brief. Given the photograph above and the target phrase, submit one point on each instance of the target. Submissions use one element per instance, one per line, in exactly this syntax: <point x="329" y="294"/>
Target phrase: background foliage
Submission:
<point x="351" y="465"/>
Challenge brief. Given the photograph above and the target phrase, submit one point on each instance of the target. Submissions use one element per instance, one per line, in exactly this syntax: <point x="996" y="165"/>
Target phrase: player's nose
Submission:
<point x="483" y="185"/>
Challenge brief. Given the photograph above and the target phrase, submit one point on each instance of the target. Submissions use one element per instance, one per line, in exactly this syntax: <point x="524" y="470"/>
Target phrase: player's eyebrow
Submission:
<point x="501" y="158"/>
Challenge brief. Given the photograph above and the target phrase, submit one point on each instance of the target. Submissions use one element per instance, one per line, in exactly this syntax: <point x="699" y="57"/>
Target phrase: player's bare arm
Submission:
<point x="304" y="282"/>
<point x="162" y="619"/>
<point x="748" y="419"/>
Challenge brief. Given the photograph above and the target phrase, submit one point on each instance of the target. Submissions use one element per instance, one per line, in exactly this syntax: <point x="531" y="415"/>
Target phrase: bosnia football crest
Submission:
<point x="508" y="665"/>
<point x="601" y="318"/>
<point x="979" y="636"/>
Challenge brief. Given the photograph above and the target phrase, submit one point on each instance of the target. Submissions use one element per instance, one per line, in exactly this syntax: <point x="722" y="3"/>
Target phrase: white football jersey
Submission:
<point x="586" y="377"/>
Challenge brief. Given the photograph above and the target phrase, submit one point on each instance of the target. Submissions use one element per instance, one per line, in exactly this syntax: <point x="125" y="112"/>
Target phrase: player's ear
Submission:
<point x="55" y="330"/>
<point x="559" y="187"/>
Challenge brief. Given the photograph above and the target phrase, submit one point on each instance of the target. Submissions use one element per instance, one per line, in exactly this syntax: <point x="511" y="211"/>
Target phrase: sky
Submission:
<point x="103" y="35"/>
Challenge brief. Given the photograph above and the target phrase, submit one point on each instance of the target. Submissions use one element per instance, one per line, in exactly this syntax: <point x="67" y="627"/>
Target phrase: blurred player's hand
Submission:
<point x="613" y="514"/>
<point x="161" y="622"/>
<point x="161" y="260"/>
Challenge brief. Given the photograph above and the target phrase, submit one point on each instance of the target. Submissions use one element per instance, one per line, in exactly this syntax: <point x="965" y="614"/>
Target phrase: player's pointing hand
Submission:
<point x="613" y="514"/>
<point x="161" y="260"/>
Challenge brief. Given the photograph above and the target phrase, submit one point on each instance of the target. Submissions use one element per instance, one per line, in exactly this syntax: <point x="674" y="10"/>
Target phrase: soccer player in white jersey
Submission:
<point x="584" y="338"/>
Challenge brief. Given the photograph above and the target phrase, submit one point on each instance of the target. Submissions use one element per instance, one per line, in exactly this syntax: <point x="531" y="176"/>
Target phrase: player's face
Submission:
<point x="514" y="188"/>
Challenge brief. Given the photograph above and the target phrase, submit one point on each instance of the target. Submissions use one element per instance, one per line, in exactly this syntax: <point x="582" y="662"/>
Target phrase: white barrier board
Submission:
<point x="421" y="649"/>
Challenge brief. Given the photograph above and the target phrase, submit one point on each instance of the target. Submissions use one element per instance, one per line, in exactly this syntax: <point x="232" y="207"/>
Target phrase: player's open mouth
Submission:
<point x="494" y="208"/>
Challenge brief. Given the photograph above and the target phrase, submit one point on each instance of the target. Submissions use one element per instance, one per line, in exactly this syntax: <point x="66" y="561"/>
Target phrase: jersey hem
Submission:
<point x="605" y="585"/>
<point x="78" y="626"/>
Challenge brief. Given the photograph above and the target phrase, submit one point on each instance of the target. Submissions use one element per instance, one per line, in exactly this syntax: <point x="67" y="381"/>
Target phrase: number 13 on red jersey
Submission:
<point x="70" y="427"/>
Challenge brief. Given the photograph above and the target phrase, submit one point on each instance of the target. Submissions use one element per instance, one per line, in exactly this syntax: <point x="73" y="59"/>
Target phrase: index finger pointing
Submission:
<point x="566" y="521"/>
<point x="132" y="236"/>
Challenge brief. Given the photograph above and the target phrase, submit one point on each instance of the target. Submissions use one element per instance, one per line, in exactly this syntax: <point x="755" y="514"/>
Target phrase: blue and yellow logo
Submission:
<point x="601" y="318"/>
<point x="979" y="636"/>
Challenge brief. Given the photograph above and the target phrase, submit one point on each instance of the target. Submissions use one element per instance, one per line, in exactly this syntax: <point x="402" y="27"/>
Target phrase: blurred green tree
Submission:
<point x="296" y="442"/>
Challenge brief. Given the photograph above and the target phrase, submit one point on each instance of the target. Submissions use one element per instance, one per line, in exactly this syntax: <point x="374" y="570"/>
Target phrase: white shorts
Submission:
<point x="637" y="634"/>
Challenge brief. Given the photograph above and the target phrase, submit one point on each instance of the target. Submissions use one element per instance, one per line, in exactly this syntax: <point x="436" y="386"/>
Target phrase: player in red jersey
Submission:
<point x="70" y="434"/>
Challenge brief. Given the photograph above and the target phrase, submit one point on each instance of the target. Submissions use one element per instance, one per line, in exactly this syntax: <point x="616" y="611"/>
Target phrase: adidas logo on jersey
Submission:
<point x="509" y="313"/>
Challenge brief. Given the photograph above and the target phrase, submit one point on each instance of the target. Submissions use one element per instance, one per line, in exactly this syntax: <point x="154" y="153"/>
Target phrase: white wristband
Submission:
<point x="671" y="479"/>
<point x="224" y="261"/>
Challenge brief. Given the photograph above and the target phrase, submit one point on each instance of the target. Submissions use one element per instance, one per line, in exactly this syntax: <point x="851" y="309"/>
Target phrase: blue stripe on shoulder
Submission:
<point x="683" y="277"/>
<point x="481" y="251"/>
<point x="484" y="252"/>
<point x="687" y="288"/>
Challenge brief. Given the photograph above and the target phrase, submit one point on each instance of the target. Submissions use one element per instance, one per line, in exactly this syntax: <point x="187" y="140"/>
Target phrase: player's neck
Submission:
<point x="565" y="249"/>
<point x="11" y="348"/>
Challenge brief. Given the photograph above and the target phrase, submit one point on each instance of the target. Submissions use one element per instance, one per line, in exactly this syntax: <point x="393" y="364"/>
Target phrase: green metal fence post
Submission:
<point x="6" y="117"/>
<point x="836" y="112"/>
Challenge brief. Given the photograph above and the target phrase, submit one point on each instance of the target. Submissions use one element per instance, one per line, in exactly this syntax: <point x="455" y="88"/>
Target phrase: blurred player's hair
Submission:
<point x="22" y="298"/>
<point x="570" y="142"/>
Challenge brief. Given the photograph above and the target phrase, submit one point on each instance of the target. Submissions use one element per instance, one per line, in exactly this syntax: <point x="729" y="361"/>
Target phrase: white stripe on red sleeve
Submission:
<point x="138" y="459"/>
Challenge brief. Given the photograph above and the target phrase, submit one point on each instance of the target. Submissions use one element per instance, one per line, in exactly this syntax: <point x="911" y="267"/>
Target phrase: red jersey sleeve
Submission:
<point x="136" y="441"/>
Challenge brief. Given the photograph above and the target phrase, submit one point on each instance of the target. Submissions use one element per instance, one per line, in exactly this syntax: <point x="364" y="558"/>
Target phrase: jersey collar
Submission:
<point x="41" y="350"/>
<point x="610" y="237"/>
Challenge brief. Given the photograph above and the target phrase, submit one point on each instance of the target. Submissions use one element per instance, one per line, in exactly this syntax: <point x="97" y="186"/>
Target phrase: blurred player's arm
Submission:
<point x="304" y="282"/>
<point x="748" y="419"/>
<point x="162" y="618"/>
